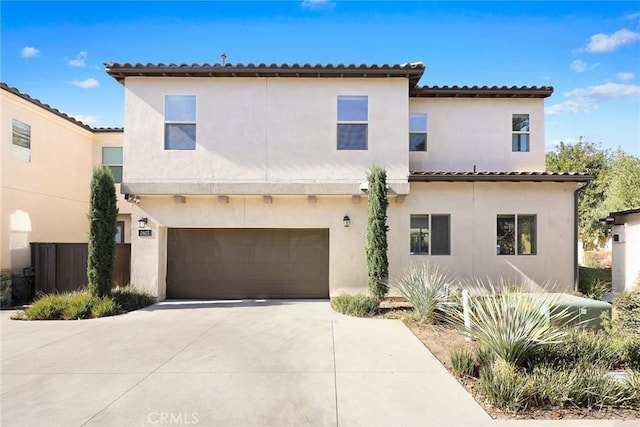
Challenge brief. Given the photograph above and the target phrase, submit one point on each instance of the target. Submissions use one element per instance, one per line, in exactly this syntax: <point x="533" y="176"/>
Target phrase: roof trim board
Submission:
<point x="425" y="176"/>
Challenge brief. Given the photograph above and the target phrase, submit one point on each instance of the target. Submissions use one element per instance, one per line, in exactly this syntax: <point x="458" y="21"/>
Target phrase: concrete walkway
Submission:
<point x="271" y="363"/>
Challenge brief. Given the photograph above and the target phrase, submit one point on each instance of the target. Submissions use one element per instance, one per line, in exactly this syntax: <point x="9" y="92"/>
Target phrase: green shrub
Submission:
<point x="360" y="305"/>
<point x="627" y="309"/>
<point x="579" y="348"/>
<point x="427" y="289"/>
<point x="48" y="307"/>
<point x="104" y="307"/>
<point x="583" y="386"/>
<point x="78" y="305"/>
<point x="627" y="347"/>
<point x="376" y="248"/>
<point x="463" y="363"/>
<point x="82" y="305"/>
<point x="504" y="386"/>
<point x="103" y="215"/>
<point x="513" y="325"/>
<point x="596" y="289"/>
<point x="128" y="299"/>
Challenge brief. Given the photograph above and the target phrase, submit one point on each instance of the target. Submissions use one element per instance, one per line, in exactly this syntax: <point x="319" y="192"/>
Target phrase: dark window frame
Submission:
<point x="427" y="239"/>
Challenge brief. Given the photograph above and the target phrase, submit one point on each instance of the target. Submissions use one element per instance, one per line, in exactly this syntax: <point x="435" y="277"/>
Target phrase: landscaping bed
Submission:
<point x="442" y="340"/>
<point x="526" y="355"/>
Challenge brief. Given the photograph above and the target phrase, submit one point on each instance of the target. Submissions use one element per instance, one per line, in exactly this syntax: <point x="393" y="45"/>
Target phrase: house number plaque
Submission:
<point x="144" y="233"/>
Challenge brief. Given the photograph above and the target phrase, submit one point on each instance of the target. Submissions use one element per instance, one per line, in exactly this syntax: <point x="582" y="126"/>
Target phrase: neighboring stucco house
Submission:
<point x="46" y="162"/>
<point x="246" y="176"/>
<point x="625" y="250"/>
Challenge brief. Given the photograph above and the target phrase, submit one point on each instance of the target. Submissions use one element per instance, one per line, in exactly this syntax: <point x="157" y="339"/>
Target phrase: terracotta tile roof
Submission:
<point x="481" y="92"/>
<point x="500" y="176"/>
<point x="55" y="111"/>
<point x="120" y="71"/>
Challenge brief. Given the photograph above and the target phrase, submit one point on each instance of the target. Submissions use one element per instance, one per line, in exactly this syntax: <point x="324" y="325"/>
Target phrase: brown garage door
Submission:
<point x="247" y="263"/>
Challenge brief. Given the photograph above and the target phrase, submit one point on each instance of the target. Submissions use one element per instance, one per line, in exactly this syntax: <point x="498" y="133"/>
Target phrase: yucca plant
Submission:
<point x="513" y="325"/>
<point x="426" y="287"/>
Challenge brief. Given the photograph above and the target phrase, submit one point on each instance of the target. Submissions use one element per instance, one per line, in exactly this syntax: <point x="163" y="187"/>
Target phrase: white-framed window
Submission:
<point x="417" y="132"/>
<point x="120" y="232"/>
<point x="516" y="234"/>
<point x="112" y="157"/>
<point x="430" y="234"/>
<point x="21" y="140"/>
<point x="520" y="132"/>
<point x="180" y="122"/>
<point x="353" y="117"/>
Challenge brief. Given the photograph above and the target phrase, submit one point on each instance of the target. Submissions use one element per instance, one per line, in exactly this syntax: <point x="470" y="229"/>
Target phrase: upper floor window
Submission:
<point x="112" y="157"/>
<point x="430" y="235"/>
<point x="353" y="115"/>
<point x="520" y="132"/>
<point x="418" y="132"/>
<point x="516" y="235"/>
<point x="180" y="122"/>
<point x="21" y="140"/>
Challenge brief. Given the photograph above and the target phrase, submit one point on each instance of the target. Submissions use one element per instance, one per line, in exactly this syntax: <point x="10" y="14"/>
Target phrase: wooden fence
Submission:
<point x="62" y="267"/>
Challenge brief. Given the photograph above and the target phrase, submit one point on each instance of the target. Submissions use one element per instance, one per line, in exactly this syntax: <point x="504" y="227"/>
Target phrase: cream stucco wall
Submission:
<point x="473" y="208"/>
<point x="625" y="254"/>
<point x="113" y="139"/>
<point x="254" y="131"/>
<point x="463" y="132"/>
<point x="47" y="198"/>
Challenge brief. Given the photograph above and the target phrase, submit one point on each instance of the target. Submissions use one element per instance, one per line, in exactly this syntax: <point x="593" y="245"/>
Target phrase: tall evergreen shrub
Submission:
<point x="376" y="250"/>
<point x="103" y="216"/>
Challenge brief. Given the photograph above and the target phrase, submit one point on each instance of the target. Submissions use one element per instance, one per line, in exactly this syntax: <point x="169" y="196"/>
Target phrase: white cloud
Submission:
<point x="633" y="16"/>
<point x="89" y="83"/>
<point x="29" y="52"/>
<point x="79" y="61"/>
<point x="626" y="76"/>
<point x="87" y="120"/>
<point x="587" y="99"/>
<point x="609" y="42"/>
<point x="318" y="4"/>
<point x="578" y="66"/>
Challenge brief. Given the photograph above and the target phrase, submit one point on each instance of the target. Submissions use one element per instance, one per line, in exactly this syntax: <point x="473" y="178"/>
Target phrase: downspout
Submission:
<point x="576" y="236"/>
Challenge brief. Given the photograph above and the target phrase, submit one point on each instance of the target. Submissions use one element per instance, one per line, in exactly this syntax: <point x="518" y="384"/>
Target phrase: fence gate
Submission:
<point x="62" y="267"/>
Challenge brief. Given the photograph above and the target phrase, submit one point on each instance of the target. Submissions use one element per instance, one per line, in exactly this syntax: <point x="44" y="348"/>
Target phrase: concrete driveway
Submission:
<point x="269" y="363"/>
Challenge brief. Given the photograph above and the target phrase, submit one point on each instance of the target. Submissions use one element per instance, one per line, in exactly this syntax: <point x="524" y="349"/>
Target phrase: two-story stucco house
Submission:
<point x="251" y="178"/>
<point x="46" y="159"/>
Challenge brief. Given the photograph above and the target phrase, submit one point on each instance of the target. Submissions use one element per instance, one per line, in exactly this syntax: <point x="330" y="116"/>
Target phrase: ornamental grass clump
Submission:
<point x="512" y="325"/>
<point x="427" y="288"/>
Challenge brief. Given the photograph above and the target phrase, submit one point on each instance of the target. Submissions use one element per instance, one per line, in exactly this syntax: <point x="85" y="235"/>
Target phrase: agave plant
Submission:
<point x="512" y="325"/>
<point x="427" y="288"/>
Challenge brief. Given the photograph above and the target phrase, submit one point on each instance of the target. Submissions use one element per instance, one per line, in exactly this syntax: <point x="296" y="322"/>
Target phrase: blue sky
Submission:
<point x="589" y="51"/>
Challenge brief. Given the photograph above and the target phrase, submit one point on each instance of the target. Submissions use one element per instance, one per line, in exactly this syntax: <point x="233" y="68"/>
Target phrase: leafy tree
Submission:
<point x="624" y="182"/>
<point x="376" y="250"/>
<point x="590" y="158"/>
<point x="103" y="216"/>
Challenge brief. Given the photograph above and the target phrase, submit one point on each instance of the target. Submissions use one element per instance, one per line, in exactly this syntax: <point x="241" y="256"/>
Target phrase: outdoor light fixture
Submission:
<point x="346" y="221"/>
<point x="142" y="222"/>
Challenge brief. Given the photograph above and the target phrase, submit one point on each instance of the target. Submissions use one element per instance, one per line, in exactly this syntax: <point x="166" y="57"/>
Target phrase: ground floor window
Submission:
<point x="120" y="232"/>
<point x="516" y="235"/>
<point x="430" y="235"/>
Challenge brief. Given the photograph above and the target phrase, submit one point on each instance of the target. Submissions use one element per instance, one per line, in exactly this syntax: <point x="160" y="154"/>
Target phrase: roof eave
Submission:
<point x="120" y="72"/>
<point x="499" y="178"/>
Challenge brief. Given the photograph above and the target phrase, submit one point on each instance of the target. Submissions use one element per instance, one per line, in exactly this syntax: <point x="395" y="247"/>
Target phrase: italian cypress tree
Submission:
<point x="376" y="250"/>
<point x="103" y="216"/>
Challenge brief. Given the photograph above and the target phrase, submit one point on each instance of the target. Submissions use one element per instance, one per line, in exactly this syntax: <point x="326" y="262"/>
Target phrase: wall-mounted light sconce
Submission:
<point x="346" y="221"/>
<point x="142" y="222"/>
